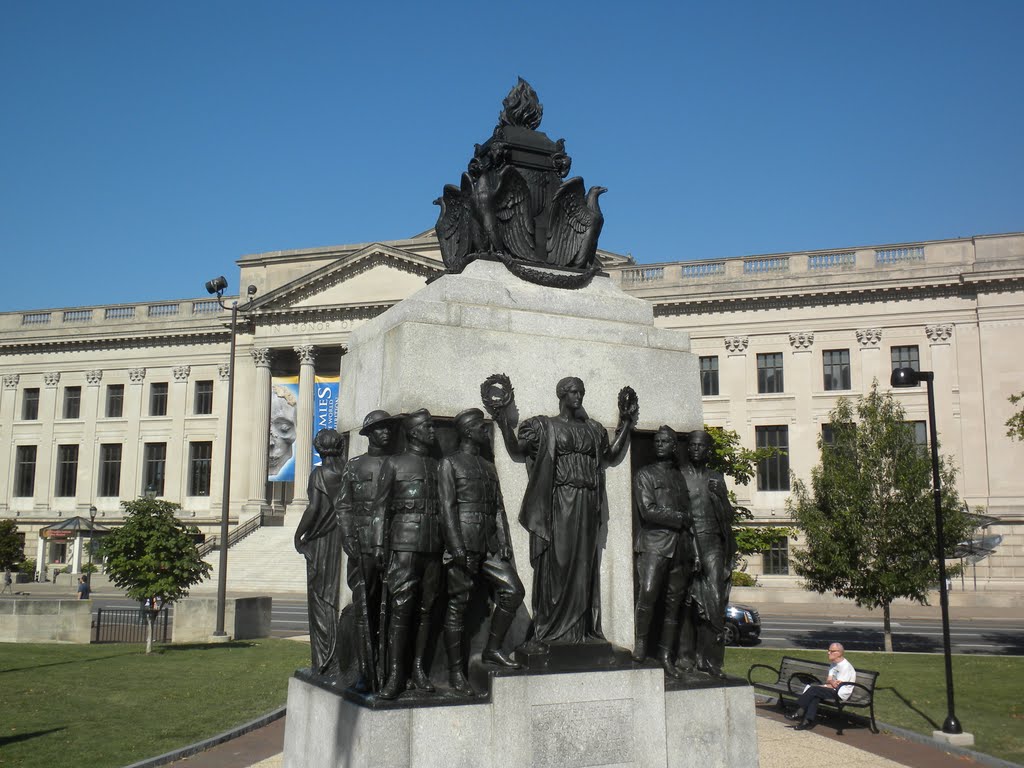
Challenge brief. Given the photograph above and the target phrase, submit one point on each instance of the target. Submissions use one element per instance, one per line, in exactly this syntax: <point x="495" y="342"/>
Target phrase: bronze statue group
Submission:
<point x="416" y="530"/>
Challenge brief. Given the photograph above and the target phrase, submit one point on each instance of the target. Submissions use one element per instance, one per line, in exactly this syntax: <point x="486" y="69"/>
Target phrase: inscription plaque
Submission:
<point x="584" y="733"/>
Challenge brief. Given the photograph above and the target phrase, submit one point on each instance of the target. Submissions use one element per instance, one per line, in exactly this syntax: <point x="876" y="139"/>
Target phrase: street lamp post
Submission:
<point x="908" y="377"/>
<point x="217" y="286"/>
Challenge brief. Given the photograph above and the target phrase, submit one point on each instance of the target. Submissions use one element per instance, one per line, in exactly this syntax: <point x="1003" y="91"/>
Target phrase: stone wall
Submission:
<point x="45" y="621"/>
<point x="244" y="618"/>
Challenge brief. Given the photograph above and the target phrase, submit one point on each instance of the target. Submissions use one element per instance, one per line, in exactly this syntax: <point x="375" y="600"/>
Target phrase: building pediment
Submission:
<point x="377" y="275"/>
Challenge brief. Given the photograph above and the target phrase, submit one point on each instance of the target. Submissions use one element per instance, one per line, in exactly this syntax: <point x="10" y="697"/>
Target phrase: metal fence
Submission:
<point x="128" y="625"/>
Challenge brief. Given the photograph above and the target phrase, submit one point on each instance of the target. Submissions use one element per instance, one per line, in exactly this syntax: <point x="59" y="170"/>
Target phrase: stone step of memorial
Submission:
<point x="265" y="561"/>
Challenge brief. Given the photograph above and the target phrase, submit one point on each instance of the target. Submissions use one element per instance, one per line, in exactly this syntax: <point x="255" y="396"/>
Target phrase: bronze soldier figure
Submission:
<point x="702" y="642"/>
<point x="407" y="501"/>
<point x="317" y="539"/>
<point x="361" y="534"/>
<point x="478" y="542"/>
<point x="666" y="550"/>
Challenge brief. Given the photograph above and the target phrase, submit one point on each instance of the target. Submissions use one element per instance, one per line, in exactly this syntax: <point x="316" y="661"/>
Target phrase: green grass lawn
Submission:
<point x="104" y="706"/>
<point x="911" y="692"/>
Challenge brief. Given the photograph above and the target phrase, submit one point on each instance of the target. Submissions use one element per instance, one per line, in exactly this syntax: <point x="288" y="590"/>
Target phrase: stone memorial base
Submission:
<point x="620" y="717"/>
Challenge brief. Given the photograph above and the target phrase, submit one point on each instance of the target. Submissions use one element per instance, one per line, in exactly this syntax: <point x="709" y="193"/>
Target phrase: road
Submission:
<point x="968" y="636"/>
<point x="978" y="636"/>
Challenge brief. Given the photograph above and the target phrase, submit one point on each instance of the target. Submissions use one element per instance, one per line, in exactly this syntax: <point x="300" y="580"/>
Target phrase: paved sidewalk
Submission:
<point x="779" y="746"/>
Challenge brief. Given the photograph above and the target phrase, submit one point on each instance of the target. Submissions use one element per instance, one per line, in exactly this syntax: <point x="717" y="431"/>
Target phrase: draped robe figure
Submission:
<point x="563" y="508"/>
<point x="318" y="539"/>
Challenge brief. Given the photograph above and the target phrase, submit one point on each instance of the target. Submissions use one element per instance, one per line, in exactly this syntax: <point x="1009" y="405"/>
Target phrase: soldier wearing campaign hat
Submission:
<point x="407" y="501"/>
<point x="361" y="532"/>
<point x="478" y="542"/>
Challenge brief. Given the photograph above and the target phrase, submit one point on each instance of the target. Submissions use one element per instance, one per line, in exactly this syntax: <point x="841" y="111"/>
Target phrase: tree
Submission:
<point x="869" y="516"/>
<point x="1015" y="424"/>
<point x="733" y="460"/>
<point x="153" y="556"/>
<point x="12" y="547"/>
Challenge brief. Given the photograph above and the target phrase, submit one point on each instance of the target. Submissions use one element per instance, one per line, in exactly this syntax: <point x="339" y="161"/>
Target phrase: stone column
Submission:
<point x="871" y="358"/>
<point x="304" y="428"/>
<point x="8" y="397"/>
<point x="44" y="501"/>
<point x="76" y="554"/>
<point x="262" y="357"/>
<point x="132" y="467"/>
<point x="88" y="457"/>
<point x="40" y="557"/>
<point x="802" y="366"/>
<point x="176" y="477"/>
<point x="947" y="384"/>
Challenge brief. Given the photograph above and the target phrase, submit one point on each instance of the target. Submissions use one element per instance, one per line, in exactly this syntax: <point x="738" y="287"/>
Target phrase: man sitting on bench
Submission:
<point x="832" y="690"/>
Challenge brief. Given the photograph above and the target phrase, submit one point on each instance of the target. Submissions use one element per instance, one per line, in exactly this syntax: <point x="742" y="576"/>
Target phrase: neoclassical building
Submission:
<point x="104" y="403"/>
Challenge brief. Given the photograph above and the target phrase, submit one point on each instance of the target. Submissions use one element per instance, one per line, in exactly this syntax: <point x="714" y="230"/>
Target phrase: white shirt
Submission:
<point x="844" y="672"/>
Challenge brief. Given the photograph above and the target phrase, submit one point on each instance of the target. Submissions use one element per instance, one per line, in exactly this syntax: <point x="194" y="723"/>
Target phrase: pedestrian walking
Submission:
<point x="7" y="583"/>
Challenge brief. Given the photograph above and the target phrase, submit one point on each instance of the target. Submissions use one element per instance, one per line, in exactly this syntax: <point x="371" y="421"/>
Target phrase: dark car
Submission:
<point x="742" y="622"/>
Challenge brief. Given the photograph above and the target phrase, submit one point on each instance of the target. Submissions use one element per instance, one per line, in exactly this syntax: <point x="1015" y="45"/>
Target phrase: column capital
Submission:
<point x="736" y="344"/>
<point x="801" y="340"/>
<point x="181" y="372"/>
<point x="137" y="375"/>
<point x="224" y="370"/>
<point x="262" y="356"/>
<point x="869" y="337"/>
<point x="306" y="353"/>
<point x="11" y="380"/>
<point x="94" y="377"/>
<point x="51" y="379"/>
<point x="939" y="334"/>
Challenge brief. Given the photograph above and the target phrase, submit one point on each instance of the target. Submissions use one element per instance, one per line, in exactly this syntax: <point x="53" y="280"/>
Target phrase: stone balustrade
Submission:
<point x="113" y="314"/>
<point x="778" y="265"/>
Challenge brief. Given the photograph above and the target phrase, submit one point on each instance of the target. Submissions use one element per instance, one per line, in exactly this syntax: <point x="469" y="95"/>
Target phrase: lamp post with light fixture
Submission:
<point x="908" y="377"/>
<point x="217" y="286"/>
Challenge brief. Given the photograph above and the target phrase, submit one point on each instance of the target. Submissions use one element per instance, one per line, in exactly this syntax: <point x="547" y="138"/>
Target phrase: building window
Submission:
<point x="709" y="376"/>
<point x="203" y="397"/>
<point x="30" y="404"/>
<point x="72" y="402"/>
<point x="200" y="456"/>
<point x="67" y="470"/>
<point x="773" y="473"/>
<point x="25" y="471"/>
<point x="110" y="470"/>
<point x="776" y="559"/>
<point x="920" y="429"/>
<point x="828" y="436"/>
<point x="836" y="365"/>
<point x="769" y="373"/>
<point x="905" y="357"/>
<point x="115" y="401"/>
<point x="154" y="462"/>
<point x="158" y="399"/>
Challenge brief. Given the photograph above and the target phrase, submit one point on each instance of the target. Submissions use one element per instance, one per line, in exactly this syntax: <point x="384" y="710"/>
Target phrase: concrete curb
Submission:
<point x="213" y="741"/>
<point x="919" y="738"/>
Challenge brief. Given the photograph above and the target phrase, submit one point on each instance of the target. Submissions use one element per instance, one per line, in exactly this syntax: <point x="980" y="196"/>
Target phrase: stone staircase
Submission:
<point x="264" y="562"/>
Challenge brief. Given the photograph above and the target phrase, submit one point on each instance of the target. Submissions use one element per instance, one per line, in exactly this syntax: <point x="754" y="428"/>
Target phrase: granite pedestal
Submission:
<point x="616" y="717"/>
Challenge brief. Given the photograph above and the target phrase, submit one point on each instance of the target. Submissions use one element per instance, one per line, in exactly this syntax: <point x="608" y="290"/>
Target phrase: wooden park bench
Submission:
<point x="793" y="674"/>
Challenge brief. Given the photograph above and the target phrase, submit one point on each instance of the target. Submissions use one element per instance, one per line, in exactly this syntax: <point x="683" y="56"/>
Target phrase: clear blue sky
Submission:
<point x="147" y="145"/>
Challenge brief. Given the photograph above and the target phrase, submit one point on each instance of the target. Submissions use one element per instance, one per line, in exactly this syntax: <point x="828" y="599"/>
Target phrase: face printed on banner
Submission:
<point x="282" y="429"/>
